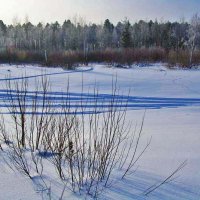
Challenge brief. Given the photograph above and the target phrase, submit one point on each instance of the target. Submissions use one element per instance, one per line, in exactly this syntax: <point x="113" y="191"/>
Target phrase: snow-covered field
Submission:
<point x="171" y="99"/>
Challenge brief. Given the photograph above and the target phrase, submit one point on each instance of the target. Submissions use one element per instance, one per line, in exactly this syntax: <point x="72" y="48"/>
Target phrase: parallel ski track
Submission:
<point x="87" y="103"/>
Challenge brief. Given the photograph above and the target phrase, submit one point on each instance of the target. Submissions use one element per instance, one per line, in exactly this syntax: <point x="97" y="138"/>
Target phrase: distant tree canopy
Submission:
<point x="89" y="37"/>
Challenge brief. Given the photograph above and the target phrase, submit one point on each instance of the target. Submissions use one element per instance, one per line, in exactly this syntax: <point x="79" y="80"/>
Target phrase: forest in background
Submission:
<point x="75" y="41"/>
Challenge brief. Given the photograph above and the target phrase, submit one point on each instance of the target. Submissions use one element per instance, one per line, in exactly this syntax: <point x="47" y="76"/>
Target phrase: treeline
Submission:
<point x="70" y="42"/>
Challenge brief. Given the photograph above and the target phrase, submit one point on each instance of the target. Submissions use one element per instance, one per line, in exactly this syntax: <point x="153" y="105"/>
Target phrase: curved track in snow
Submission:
<point x="46" y="74"/>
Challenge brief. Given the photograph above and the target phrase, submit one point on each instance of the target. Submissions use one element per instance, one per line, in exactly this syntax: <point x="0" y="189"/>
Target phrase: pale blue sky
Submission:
<point x="97" y="10"/>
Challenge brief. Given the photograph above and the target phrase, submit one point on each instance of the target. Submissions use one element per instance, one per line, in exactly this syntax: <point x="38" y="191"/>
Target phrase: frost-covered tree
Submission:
<point x="92" y="37"/>
<point x="194" y="35"/>
<point x="80" y="36"/>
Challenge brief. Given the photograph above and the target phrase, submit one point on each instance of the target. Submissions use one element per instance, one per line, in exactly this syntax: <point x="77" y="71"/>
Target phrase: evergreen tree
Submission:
<point x="108" y="29"/>
<point x="126" y="39"/>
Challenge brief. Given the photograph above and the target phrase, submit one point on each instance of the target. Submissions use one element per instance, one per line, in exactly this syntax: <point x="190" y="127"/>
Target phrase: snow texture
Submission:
<point x="171" y="99"/>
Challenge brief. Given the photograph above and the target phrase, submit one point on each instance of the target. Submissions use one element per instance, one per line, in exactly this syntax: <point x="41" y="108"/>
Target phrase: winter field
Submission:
<point x="170" y="100"/>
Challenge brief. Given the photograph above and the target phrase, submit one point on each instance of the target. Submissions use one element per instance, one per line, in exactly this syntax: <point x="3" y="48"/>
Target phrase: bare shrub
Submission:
<point x="85" y="149"/>
<point x="128" y="55"/>
<point x="71" y="58"/>
<point x="182" y="59"/>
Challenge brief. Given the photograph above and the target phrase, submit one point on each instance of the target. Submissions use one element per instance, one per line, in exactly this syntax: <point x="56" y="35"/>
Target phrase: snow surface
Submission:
<point x="171" y="99"/>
